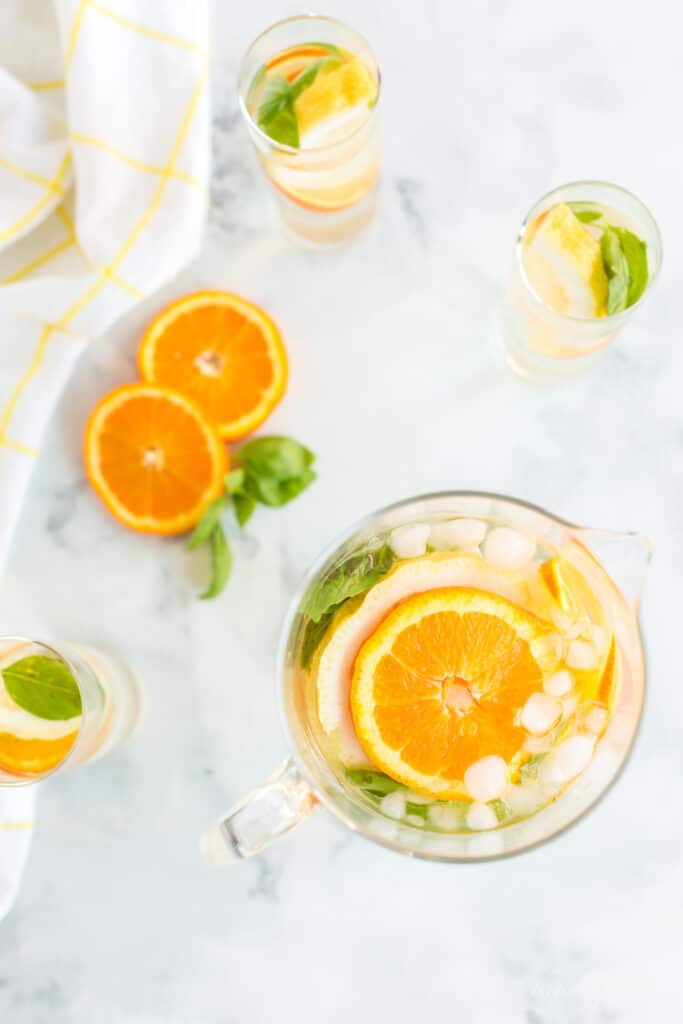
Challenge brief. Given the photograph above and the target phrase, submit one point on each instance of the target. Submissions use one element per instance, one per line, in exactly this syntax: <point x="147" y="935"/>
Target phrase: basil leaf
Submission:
<point x="280" y="458"/>
<point x="221" y="563"/>
<point x="284" y="128"/>
<point x="616" y="268"/>
<point x="276" y="494"/>
<point x="635" y="253"/>
<point x="234" y="481"/>
<point x="353" y="576"/>
<point x="499" y="809"/>
<point x="276" y="469"/>
<point x="244" y="507"/>
<point x="583" y="212"/>
<point x="587" y="216"/>
<point x="204" y="528"/>
<point x="276" y="115"/>
<point x="44" y="687"/>
<point x="313" y="635"/>
<point x="617" y="294"/>
<point x="529" y="769"/>
<point x="309" y="75"/>
<point x="373" y="783"/>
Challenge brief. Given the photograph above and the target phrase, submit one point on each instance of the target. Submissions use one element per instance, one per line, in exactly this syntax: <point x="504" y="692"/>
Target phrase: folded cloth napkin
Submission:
<point x="104" y="153"/>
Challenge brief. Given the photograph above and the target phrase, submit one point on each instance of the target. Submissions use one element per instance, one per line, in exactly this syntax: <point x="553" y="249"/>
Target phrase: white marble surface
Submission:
<point x="398" y="383"/>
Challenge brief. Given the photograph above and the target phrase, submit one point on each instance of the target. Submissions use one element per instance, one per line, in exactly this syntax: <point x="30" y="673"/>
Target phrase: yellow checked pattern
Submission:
<point x="103" y="203"/>
<point x="104" y="145"/>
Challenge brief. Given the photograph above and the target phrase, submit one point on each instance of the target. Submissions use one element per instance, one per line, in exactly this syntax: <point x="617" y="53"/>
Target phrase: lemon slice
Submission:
<point x="564" y="265"/>
<point x="338" y="99"/>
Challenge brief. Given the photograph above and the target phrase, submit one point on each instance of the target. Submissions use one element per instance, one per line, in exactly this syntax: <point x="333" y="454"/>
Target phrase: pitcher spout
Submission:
<point x="625" y="557"/>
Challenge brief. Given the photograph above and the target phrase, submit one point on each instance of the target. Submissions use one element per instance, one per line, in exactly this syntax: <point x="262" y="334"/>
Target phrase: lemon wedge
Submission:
<point x="335" y="103"/>
<point x="564" y="265"/>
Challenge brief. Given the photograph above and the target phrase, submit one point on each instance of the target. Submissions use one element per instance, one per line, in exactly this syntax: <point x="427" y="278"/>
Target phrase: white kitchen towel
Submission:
<point x="104" y="155"/>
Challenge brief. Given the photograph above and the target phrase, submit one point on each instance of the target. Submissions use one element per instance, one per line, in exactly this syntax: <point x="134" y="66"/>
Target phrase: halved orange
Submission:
<point x="153" y="459"/>
<point x="223" y="352"/>
<point x="440" y="683"/>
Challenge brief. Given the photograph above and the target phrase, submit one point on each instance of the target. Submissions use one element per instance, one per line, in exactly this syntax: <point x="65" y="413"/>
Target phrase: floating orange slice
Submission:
<point x="440" y="683"/>
<point x="153" y="459"/>
<point x="221" y="351"/>
<point x="33" y="756"/>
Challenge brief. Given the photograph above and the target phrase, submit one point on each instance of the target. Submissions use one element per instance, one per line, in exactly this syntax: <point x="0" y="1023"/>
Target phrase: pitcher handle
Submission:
<point x="262" y="816"/>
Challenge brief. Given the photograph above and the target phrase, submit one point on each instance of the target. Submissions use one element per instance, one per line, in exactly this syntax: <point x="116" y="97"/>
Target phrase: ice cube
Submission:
<point x="508" y="549"/>
<point x="549" y="651"/>
<point x="457" y="533"/>
<point x="414" y="819"/>
<point x="559" y="683"/>
<point x="601" y="638"/>
<point x="393" y="805"/>
<point x="571" y="757"/>
<point x="486" y="778"/>
<point x="569" y="705"/>
<point x="540" y="713"/>
<point x="581" y="655"/>
<point x="595" y="720"/>
<point x="537" y="744"/>
<point x="409" y="541"/>
<point x="525" y="799"/>
<point x="444" y="817"/>
<point x="481" y="817"/>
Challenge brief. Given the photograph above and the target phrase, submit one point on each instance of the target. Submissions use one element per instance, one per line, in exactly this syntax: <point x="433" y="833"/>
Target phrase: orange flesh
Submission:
<point x="450" y="689"/>
<point x="145" y="425"/>
<point x="31" y="756"/>
<point x="218" y="357"/>
<point x="300" y="56"/>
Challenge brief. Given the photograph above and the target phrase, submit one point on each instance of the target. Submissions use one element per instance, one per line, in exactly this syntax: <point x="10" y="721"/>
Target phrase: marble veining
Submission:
<point x="398" y="384"/>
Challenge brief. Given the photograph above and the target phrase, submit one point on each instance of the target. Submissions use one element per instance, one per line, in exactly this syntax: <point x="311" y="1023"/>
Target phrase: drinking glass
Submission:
<point x="38" y="734"/>
<point x="326" y="194"/>
<point x="541" y="342"/>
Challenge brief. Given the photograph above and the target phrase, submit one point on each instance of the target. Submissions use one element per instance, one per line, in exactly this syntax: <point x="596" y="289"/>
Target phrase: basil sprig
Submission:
<point x="268" y="471"/>
<point x="276" y="115"/>
<point x="347" y="579"/>
<point x="624" y="257"/>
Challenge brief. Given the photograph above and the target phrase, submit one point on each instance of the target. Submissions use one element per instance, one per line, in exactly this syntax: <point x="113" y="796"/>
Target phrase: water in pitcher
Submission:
<point x="460" y="674"/>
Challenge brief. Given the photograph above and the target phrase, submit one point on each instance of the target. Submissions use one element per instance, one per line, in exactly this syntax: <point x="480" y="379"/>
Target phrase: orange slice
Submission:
<point x="33" y="756"/>
<point x="153" y="459"/>
<point x="574" y="598"/>
<point x="221" y="351"/>
<point x="440" y="683"/>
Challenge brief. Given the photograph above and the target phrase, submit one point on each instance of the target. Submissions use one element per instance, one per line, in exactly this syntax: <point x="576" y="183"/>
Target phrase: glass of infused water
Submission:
<point x="461" y="677"/>
<point x="587" y="255"/>
<point x="60" y="705"/>
<point x="309" y="90"/>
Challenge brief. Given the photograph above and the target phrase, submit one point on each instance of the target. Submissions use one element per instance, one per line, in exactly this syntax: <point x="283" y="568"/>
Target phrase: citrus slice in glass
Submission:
<point x="441" y="684"/>
<point x="333" y="669"/>
<point x="335" y="104"/>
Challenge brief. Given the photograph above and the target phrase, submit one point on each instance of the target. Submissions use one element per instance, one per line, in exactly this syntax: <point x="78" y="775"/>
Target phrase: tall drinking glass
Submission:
<point x="539" y="340"/>
<point x="319" y="148"/>
<point x="60" y="705"/>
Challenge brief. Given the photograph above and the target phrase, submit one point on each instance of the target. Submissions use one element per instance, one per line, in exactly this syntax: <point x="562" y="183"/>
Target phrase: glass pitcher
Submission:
<point x="486" y="534"/>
